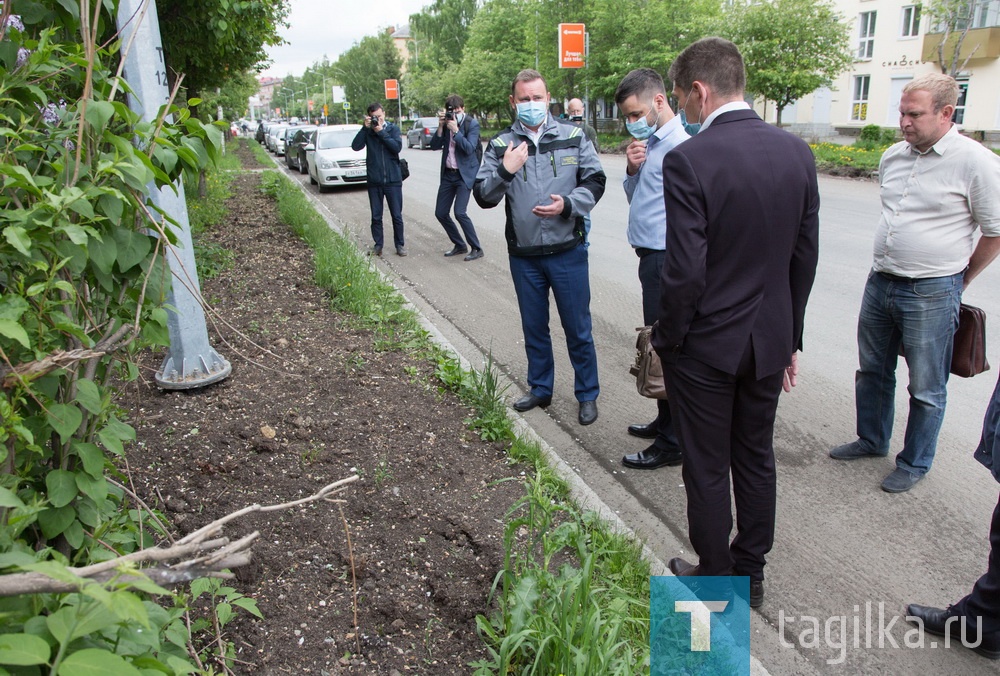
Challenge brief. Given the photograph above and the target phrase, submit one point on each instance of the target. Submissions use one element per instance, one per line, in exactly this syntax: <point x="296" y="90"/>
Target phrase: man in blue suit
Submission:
<point x="742" y="205"/>
<point x="458" y="135"/>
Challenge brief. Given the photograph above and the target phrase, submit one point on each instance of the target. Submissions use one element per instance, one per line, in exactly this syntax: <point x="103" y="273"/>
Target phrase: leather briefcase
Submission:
<point x="647" y="369"/>
<point x="969" y="355"/>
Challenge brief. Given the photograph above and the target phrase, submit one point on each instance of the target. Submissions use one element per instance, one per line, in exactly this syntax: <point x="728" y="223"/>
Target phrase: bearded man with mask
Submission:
<point x="642" y="99"/>
<point x="551" y="177"/>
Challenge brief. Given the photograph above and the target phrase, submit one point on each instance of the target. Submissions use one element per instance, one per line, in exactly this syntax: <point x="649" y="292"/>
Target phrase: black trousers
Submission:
<point x="453" y="189"/>
<point x="726" y="423"/>
<point x="650" y="263"/>
<point x="984" y="601"/>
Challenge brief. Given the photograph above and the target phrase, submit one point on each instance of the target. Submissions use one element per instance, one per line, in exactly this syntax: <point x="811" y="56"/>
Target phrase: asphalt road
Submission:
<point x="841" y="542"/>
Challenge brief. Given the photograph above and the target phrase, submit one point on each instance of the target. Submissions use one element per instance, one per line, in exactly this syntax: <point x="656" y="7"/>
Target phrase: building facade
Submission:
<point x="894" y="42"/>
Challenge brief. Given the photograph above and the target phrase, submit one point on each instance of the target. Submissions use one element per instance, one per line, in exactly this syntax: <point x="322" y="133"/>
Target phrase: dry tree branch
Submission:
<point x="211" y="556"/>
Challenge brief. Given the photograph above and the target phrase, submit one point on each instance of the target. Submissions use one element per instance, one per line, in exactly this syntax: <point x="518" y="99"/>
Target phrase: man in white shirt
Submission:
<point x="937" y="188"/>
<point x="640" y="97"/>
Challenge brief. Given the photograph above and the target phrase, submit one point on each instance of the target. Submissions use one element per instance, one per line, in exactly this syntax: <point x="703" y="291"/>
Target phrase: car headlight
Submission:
<point x="327" y="164"/>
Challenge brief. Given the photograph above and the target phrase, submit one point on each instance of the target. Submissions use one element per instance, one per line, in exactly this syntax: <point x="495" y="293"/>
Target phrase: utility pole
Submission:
<point x="191" y="362"/>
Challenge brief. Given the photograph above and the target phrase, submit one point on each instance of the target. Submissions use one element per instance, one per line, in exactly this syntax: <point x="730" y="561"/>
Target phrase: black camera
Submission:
<point x="449" y="113"/>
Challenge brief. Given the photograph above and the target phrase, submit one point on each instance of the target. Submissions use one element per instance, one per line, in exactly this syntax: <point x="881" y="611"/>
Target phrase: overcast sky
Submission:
<point x="331" y="27"/>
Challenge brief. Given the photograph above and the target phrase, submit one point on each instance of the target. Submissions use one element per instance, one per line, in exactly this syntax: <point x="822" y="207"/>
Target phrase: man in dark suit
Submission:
<point x="742" y="202"/>
<point x="458" y="134"/>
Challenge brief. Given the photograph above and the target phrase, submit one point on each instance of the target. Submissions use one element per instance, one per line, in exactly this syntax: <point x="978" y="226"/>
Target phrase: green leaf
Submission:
<point x="23" y="649"/>
<point x="95" y="662"/>
<point x="65" y="419"/>
<point x="224" y="612"/>
<point x="14" y="331"/>
<point x="54" y="521"/>
<point x="249" y="605"/>
<point x="98" y="113"/>
<point x="18" y="238"/>
<point x="88" y="396"/>
<point x="8" y="498"/>
<point x="111" y="206"/>
<point x="92" y="457"/>
<point x="133" y="248"/>
<point x="61" y="486"/>
<point x="74" y="534"/>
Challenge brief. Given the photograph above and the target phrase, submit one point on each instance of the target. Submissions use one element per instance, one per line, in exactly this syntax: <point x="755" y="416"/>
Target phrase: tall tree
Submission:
<point x="953" y="19"/>
<point x="363" y="69"/>
<point x="494" y="54"/>
<point x="791" y="47"/>
<point x="212" y="40"/>
<point x="629" y="34"/>
<point x="440" y="32"/>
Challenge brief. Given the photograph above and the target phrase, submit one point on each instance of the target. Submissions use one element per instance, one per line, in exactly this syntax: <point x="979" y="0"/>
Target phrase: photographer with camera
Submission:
<point x="458" y="135"/>
<point x="385" y="177"/>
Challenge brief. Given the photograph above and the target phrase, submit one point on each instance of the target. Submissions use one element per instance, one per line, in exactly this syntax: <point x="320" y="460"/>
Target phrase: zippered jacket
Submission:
<point x="563" y="163"/>
<point x="382" y="156"/>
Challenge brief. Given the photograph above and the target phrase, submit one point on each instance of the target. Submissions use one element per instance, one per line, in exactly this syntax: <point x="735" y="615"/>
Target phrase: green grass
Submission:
<point x="830" y="155"/>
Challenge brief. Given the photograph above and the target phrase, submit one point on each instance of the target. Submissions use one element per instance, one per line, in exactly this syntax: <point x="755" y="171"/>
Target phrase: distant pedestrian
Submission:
<point x="385" y="178"/>
<point x="938" y="187"/>
<point x="575" y="112"/>
<point x="458" y="135"/>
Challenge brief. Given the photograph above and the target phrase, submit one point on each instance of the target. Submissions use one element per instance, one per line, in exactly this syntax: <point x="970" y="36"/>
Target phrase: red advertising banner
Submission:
<point x="572" y="45"/>
<point x="391" y="89"/>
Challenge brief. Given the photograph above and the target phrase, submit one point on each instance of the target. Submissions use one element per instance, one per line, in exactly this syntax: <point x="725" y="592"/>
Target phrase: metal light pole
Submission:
<point x="191" y="362"/>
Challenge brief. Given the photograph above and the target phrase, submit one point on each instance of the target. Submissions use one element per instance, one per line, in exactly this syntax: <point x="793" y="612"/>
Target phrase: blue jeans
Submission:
<point x="922" y="314"/>
<point x="568" y="275"/>
<point x="393" y="195"/>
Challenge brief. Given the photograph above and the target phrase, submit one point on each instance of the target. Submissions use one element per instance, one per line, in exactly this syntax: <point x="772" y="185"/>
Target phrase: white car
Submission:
<point x="273" y="133"/>
<point x="331" y="160"/>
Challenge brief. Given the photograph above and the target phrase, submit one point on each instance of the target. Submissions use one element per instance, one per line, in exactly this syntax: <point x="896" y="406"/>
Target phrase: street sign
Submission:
<point x="571" y="45"/>
<point x="310" y="106"/>
<point x="326" y="111"/>
<point x="392" y="89"/>
<point x="347" y="105"/>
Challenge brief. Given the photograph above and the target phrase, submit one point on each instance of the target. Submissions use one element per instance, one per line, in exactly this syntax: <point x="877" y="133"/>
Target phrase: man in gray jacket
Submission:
<point x="552" y="178"/>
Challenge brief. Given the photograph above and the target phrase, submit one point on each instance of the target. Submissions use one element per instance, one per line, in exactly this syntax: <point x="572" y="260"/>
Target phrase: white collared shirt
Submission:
<point x="932" y="203"/>
<point x="724" y="108"/>
<point x="647" y="214"/>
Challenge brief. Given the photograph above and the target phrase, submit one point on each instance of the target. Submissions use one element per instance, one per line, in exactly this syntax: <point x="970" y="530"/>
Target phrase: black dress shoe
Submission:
<point x="682" y="568"/>
<point x="474" y="255"/>
<point x="756" y="593"/>
<point x="457" y="251"/>
<point x="588" y="412"/>
<point x="651" y="458"/>
<point x="935" y="621"/>
<point x="530" y="401"/>
<point x="644" y="431"/>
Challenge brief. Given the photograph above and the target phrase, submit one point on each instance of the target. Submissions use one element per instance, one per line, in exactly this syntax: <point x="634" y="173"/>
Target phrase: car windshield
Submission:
<point x="428" y="122"/>
<point x="335" y="139"/>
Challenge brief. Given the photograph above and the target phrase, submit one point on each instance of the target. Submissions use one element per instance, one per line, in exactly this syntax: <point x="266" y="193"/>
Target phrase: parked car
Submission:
<point x="297" y="138"/>
<point x="272" y="136"/>
<point x="332" y="161"/>
<point x="420" y="135"/>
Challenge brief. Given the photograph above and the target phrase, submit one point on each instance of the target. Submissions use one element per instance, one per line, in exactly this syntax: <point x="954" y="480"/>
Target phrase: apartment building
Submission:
<point x="895" y="41"/>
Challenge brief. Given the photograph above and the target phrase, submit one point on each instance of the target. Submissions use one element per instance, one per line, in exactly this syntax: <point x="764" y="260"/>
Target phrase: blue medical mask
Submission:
<point x="641" y="129"/>
<point x="532" y="113"/>
<point x="691" y="129"/>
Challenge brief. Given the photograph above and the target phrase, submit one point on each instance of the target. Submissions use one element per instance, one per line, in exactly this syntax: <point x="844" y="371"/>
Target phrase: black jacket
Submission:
<point x="382" y="159"/>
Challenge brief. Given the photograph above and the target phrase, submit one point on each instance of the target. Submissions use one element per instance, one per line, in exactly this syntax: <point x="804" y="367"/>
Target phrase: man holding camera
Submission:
<point x="458" y="134"/>
<point x="385" y="177"/>
<point x="574" y="110"/>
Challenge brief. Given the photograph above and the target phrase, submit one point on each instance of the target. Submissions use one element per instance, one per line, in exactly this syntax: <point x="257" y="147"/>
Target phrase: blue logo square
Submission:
<point x="699" y="625"/>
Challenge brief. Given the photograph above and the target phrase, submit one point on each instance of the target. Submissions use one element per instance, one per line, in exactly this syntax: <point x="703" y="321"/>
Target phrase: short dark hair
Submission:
<point x="527" y="75"/>
<point x="455" y="101"/>
<point x="372" y="107"/>
<point x="715" y="61"/>
<point x="638" y="82"/>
